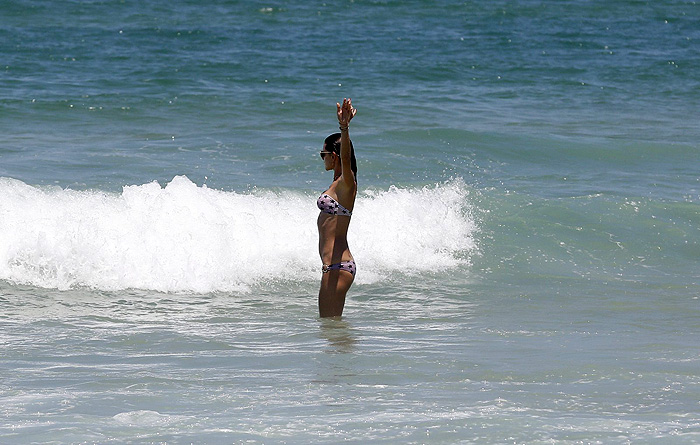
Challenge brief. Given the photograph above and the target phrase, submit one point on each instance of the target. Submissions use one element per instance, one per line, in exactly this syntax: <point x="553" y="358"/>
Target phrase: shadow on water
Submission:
<point x="339" y="334"/>
<point x="337" y="363"/>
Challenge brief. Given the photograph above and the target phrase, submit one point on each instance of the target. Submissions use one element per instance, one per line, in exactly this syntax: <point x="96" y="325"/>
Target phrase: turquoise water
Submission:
<point x="527" y="227"/>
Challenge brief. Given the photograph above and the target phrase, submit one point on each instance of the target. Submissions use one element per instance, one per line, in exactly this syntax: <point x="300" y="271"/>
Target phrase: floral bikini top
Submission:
<point x="329" y="205"/>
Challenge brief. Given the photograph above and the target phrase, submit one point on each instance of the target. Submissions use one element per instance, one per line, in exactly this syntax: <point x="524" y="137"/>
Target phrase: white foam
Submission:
<point x="145" y="418"/>
<point x="182" y="237"/>
<point x="413" y="230"/>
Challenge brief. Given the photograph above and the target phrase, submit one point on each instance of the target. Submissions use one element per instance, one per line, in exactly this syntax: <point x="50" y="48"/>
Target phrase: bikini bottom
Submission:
<point x="348" y="266"/>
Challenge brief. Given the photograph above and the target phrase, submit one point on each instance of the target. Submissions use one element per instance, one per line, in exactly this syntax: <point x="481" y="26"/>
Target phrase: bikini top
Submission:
<point x="329" y="205"/>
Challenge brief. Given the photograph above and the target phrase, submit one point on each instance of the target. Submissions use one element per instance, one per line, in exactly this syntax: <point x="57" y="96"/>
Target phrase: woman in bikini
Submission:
<point x="336" y="206"/>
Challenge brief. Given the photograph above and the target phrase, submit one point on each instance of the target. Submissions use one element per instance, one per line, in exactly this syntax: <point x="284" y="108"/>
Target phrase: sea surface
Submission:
<point x="527" y="227"/>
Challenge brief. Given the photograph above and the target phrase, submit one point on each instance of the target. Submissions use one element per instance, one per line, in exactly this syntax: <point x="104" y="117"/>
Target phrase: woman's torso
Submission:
<point x="333" y="228"/>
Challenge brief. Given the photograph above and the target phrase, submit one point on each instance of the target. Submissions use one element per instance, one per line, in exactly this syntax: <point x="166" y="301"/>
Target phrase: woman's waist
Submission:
<point x="332" y="256"/>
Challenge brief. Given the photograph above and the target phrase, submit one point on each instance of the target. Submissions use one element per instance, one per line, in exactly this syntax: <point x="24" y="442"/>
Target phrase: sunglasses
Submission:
<point x="324" y="153"/>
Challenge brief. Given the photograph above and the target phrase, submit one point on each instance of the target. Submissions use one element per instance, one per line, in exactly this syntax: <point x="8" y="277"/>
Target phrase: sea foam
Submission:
<point x="185" y="238"/>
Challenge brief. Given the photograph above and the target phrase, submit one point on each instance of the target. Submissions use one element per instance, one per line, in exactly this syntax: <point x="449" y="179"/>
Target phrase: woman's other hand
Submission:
<point x="345" y="112"/>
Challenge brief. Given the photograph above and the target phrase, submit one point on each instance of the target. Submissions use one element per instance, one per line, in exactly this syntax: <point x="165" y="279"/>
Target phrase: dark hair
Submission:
<point x="332" y="143"/>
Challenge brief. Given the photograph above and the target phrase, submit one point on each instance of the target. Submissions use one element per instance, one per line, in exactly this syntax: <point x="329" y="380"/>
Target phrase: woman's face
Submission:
<point x="328" y="158"/>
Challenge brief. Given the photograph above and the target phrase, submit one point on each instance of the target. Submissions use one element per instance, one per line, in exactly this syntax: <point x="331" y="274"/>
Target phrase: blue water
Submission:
<point x="527" y="227"/>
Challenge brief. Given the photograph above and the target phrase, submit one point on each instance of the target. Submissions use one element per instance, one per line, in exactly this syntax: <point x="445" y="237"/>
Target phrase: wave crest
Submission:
<point x="186" y="238"/>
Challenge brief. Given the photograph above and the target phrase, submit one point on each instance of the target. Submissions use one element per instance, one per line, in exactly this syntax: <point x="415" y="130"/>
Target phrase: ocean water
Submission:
<point x="527" y="229"/>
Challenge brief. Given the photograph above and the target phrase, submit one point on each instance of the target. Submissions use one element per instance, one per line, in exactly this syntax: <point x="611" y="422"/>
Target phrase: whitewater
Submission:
<point x="181" y="237"/>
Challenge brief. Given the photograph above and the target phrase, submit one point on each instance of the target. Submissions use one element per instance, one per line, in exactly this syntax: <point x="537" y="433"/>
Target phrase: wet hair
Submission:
<point x="332" y="143"/>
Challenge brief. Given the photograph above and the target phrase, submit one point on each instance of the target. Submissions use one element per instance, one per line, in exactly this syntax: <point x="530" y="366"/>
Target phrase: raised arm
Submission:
<point x="345" y="114"/>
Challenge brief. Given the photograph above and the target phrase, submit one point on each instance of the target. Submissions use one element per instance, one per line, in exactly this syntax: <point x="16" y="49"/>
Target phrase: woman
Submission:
<point x="336" y="206"/>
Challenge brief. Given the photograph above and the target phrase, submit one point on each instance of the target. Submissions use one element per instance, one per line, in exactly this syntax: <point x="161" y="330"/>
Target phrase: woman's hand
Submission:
<point x="345" y="113"/>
